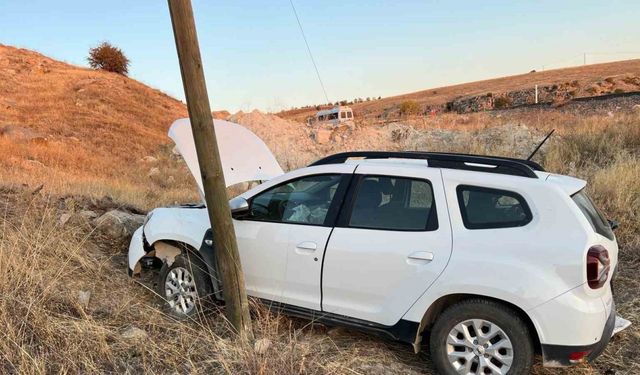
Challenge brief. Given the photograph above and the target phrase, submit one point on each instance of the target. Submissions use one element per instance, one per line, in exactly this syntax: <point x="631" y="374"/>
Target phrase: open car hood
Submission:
<point x="244" y="156"/>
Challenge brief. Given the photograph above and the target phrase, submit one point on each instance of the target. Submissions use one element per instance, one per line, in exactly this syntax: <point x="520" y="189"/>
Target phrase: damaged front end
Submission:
<point x="170" y="231"/>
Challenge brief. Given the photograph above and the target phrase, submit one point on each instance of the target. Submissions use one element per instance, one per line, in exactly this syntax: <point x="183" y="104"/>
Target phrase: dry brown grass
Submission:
<point x="46" y="330"/>
<point x="94" y="149"/>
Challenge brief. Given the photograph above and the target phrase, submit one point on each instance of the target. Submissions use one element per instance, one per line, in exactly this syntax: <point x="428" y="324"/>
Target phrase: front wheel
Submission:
<point x="182" y="285"/>
<point x="481" y="337"/>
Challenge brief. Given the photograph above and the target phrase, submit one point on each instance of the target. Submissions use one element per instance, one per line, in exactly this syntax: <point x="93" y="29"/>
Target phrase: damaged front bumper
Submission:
<point x="136" y="251"/>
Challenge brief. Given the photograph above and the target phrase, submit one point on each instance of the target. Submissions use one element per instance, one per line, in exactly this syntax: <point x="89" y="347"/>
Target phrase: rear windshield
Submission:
<point x="598" y="222"/>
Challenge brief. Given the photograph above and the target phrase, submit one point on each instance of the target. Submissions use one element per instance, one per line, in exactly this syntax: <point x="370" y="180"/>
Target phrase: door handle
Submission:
<point x="420" y="257"/>
<point x="306" y="247"/>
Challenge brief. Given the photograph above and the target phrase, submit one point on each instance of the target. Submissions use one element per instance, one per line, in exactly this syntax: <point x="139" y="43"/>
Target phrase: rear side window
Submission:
<point x="597" y="220"/>
<point x="392" y="203"/>
<point x="485" y="208"/>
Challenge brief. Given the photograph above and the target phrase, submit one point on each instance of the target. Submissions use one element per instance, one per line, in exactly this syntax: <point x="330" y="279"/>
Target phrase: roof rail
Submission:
<point x="479" y="163"/>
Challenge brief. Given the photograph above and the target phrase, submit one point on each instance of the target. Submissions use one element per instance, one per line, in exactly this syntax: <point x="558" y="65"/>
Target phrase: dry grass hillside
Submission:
<point x="585" y="80"/>
<point x="97" y="142"/>
<point x="86" y="130"/>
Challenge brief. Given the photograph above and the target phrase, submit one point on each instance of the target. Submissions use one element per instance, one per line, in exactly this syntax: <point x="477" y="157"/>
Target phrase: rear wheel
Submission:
<point x="481" y="337"/>
<point x="183" y="285"/>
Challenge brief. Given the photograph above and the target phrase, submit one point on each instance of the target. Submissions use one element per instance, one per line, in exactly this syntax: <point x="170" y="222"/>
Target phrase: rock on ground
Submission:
<point x="322" y="136"/>
<point x="118" y="225"/>
<point x="134" y="333"/>
<point x="83" y="298"/>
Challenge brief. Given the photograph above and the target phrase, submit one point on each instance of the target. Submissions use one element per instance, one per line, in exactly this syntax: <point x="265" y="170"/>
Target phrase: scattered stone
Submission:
<point x="175" y="151"/>
<point x="118" y="225"/>
<point x="134" y="333"/>
<point x="171" y="179"/>
<point x="149" y="159"/>
<point x="83" y="298"/>
<point x="88" y="214"/>
<point x="34" y="163"/>
<point x="261" y="346"/>
<point x="155" y="171"/>
<point x="64" y="218"/>
<point x="19" y="133"/>
<point x="322" y="136"/>
<point x="8" y="103"/>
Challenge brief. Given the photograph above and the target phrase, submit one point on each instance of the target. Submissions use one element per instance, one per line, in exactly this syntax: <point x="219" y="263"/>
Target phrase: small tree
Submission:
<point x="108" y="57"/>
<point x="502" y="102"/>
<point x="410" y="107"/>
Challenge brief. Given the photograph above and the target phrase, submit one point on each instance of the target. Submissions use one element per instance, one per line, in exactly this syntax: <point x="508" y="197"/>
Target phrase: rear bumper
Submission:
<point x="561" y="355"/>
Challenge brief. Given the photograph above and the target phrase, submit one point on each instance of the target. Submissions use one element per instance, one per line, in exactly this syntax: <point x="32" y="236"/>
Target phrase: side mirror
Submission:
<point x="614" y="224"/>
<point x="239" y="207"/>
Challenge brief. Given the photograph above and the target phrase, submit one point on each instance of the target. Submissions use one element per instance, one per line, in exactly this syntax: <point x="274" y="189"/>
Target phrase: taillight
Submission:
<point x="598" y="265"/>
<point x="576" y="357"/>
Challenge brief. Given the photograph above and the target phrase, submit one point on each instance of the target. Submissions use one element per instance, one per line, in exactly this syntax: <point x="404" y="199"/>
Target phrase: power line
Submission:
<point x="309" y="50"/>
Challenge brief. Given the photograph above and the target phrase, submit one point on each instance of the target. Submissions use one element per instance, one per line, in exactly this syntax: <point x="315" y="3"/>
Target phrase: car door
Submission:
<point x="282" y="240"/>
<point x="392" y="240"/>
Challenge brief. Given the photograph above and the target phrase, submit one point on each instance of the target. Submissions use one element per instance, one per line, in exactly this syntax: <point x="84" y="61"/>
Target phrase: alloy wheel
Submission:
<point x="180" y="290"/>
<point x="478" y="346"/>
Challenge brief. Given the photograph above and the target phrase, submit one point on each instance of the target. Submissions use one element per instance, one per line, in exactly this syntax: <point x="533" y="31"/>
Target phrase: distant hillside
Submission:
<point x="580" y="81"/>
<point x="90" y="114"/>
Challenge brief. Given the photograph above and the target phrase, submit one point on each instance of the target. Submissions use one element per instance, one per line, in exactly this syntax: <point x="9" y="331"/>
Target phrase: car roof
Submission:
<point x="472" y="163"/>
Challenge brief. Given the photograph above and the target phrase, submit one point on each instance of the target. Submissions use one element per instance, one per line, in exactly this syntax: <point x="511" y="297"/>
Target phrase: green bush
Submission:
<point x="409" y="107"/>
<point x="502" y="102"/>
<point x="108" y="57"/>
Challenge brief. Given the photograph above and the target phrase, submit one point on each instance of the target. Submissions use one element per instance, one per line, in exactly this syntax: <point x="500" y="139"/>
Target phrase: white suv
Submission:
<point x="491" y="258"/>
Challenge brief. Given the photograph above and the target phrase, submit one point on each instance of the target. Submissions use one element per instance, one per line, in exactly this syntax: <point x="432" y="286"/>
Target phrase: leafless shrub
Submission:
<point x="108" y="57"/>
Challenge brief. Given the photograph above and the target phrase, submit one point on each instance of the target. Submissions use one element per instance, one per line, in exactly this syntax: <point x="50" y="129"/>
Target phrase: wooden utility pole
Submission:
<point x="215" y="194"/>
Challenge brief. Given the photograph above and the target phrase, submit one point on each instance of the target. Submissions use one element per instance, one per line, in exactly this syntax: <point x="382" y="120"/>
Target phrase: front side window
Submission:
<point x="343" y="114"/>
<point x="392" y="203"/>
<point x="485" y="208"/>
<point x="303" y="201"/>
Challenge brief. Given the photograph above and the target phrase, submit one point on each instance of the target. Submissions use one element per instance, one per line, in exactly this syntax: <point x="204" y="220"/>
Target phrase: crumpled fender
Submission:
<point x="186" y="225"/>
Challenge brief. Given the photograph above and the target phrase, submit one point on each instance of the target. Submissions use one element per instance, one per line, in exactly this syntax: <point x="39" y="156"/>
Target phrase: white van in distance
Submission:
<point x="334" y="116"/>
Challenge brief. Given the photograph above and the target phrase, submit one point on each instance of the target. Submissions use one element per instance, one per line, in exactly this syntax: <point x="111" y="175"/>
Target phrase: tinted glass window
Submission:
<point x="303" y="201"/>
<point x="394" y="204"/>
<point x="597" y="220"/>
<point x="343" y="114"/>
<point x="484" y="208"/>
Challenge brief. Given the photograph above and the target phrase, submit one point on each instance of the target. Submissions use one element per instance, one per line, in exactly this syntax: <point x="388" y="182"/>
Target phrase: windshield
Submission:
<point x="597" y="220"/>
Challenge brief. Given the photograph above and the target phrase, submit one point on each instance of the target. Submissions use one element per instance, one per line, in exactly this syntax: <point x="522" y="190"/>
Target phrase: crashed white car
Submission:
<point x="493" y="259"/>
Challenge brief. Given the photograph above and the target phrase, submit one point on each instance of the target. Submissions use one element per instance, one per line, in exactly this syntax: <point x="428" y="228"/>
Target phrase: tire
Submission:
<point x="184" y="286"/>
<point x="504" y="345"/>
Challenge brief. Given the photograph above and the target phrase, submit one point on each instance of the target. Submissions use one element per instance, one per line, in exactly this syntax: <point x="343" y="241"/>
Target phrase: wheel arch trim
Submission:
<point x="443" y="302"/>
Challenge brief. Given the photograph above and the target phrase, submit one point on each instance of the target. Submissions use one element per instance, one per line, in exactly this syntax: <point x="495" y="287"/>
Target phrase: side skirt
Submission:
<point x="404" y="330"/>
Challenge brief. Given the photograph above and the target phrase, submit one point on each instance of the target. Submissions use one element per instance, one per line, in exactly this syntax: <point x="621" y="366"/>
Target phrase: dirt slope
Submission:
<point x="585" y="76"/>
<point x="71" y="117"/>
<point x="76" y="123"/>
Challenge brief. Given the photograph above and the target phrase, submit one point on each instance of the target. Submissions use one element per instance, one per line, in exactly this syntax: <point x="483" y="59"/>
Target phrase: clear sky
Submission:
<point x="254" y="55"/>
